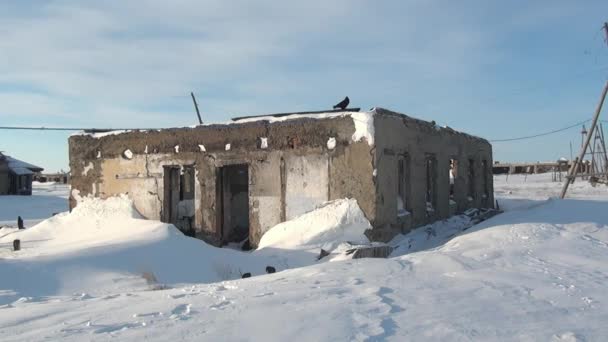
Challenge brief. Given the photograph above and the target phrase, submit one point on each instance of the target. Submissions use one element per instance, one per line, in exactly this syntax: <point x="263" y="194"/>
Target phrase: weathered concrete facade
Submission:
<point x="219" y="182"/>
<point x="430" y="189"/>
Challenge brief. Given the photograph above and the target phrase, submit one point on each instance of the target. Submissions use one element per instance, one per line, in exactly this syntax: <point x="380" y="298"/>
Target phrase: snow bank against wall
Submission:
<point x="326" y="227"/>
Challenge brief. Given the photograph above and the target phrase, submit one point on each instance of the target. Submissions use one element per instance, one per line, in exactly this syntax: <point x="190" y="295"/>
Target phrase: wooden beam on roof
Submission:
<point x="278" y="115"/>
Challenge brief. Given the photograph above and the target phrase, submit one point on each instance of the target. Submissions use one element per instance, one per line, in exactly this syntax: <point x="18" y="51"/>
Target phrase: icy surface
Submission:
<point x="538" y="272"/>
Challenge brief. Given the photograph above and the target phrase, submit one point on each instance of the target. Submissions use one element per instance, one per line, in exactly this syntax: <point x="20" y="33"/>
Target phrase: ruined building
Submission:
<point x="229" y="182"/>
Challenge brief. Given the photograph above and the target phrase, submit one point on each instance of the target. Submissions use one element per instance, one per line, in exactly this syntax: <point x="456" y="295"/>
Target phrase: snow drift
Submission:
<point x="327" y="226"/>
<point x="334" y="226"/>
<point x="105" y="245"/>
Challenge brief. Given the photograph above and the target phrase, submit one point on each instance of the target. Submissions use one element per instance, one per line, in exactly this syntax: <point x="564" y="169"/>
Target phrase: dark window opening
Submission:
<point x="486" y="173"/>
<point x="471" y="180"/>
<point x="431" y="183"/>
<point x="453" y="174"/>
<point x="403" y="181"/>
<point x="186" y="189"/>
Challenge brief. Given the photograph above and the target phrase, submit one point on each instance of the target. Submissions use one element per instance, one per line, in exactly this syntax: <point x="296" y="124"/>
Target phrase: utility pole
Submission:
<point x="583" y="135"/>
<point x="200" y="121"/>
<point x="575" y="164"/>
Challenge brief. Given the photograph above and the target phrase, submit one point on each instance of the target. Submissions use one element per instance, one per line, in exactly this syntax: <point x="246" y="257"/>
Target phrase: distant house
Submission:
<point x="16" y="176"/>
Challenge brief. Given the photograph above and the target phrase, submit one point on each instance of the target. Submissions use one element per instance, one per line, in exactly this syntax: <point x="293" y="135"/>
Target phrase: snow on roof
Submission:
<point x="17" y="166"/>
<point x="20" y="171"/>
<point x="364" y="123"/>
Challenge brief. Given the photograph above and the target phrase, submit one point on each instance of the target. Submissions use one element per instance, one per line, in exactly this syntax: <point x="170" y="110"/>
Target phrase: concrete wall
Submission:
<point x="414" y="140"/>
<point x="295" y="172"/>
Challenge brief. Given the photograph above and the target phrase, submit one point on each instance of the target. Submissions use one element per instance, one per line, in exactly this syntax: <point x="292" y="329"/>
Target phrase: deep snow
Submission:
<point x="538" y="272"/>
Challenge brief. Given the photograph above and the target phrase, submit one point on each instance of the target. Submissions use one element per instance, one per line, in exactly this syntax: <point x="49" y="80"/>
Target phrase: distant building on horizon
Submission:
<point x="16" y="176"/>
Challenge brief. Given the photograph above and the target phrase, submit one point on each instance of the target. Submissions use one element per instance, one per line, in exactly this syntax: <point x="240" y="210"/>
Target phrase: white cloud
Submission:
<point x="131" y="56"/>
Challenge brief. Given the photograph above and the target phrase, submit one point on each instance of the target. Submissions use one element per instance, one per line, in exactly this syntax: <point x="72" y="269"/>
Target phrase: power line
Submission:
<point x="26" y="128"/>
<point x="100" y="130"/>
<point x="541" y="134"/>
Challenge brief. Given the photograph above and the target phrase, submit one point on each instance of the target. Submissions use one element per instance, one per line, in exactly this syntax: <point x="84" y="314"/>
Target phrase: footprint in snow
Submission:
<point x="568" y="337"/>
<point x="221" y="305"/>
<point x="178" y="296"/>
<point x="226" y="287"/>
<point x="265" y="294"/>
<point x="81" y="296"/>
<point x="150" y="314"/>
<point x="113" y="328"/>
<point x="111" y="297"/>
<point x="181" y="312"/>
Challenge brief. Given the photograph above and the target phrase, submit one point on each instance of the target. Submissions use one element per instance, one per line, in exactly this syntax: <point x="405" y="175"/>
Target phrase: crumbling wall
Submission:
<point x="291" y="168"/>
<point x="416" y="141"/>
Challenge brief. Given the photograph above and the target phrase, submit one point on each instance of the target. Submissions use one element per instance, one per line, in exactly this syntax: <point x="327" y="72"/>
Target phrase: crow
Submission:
<point x="246" y="275"/>
<point x="342" y="105"/>
<point x="20" y="223"/>
<point x="270" y="269"/>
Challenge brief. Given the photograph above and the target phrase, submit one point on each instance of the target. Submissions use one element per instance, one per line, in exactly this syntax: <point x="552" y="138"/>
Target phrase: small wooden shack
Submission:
<point x="16" y="176"/>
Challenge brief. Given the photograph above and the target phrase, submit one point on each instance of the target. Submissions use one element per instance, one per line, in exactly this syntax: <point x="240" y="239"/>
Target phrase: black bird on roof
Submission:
<point x="342" y="105"/>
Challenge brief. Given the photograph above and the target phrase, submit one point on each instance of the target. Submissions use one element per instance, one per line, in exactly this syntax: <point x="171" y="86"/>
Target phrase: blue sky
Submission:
<point x="497" y="69"/>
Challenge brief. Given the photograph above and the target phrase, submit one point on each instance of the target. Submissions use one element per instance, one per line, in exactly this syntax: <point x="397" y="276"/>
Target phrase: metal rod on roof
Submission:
<point x="200" y="121"/>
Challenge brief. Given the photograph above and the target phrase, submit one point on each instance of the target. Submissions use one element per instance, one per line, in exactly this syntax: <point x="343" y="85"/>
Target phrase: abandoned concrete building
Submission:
<point x="16" y="176"/>
<point x="232" y="182"/>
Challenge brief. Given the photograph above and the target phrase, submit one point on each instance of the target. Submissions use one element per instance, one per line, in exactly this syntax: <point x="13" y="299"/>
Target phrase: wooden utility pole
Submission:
<point x="200" y="121"/>
<point x="574" y="167"/>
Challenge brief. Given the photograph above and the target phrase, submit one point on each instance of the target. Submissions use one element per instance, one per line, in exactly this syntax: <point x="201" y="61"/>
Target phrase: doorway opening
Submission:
<point x="171" y="193"/>
<point x="178" y="203"/>
<point x="233" y="204"/>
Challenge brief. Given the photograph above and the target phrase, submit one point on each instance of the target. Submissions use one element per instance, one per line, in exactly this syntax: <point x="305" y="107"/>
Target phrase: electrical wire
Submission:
<point x="72" y="129"/>
<point x="541" y="134"/>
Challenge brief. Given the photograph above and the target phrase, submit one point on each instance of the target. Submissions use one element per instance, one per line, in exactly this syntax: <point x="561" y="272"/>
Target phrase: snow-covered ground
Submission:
<point x="538" y="272"/>
<point x="46" y="199"/>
